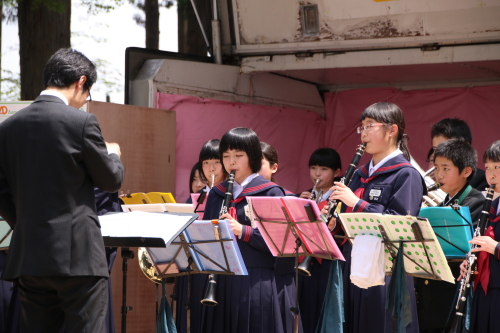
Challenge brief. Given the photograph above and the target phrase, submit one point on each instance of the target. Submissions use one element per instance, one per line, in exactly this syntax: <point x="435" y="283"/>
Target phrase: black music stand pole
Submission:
<point x="126" y="254"/>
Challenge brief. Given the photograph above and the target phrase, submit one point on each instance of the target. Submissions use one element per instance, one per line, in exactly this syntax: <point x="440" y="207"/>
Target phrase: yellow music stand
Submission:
<point x="160" y="197"/>
<point x="136" y="199"/>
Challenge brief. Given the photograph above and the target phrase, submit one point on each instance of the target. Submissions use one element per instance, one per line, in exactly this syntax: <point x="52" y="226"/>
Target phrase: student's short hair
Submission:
<point x="460" y="153"/>
<point x="452" y="128"/>
<point x="209" y="151"/>
<point x="244" y="139"/>
<point x="326" y="157"/>
<point x="492" y="154"/>
<point x="66" y="66"/>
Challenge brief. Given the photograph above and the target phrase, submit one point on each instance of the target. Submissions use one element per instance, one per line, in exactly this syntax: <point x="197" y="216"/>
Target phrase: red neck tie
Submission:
<point x="360" y="191"/>
<point x="483" y="262"/>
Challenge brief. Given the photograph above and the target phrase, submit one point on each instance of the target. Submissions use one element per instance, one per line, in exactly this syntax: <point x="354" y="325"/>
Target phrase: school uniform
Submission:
<point x="486" y="300"/>
<point x="396" y="188"/>
<point x="259" y="301"/>
<point x="436" y="299"/>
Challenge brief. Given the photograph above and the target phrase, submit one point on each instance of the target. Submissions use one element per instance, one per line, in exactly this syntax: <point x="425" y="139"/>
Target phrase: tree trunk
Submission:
<point x="152" y="12"/>
<point x="42" y="31"/>
<point x="190" y="37"/>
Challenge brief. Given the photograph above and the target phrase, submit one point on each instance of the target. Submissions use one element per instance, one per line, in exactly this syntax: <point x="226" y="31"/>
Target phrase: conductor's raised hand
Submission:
<point x="344" y="194"/>
<point x="113" y="147"/>
<point x="235" y="225"/>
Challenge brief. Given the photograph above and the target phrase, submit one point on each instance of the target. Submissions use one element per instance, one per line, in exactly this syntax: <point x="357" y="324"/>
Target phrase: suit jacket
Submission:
<point x="51" y="158"/>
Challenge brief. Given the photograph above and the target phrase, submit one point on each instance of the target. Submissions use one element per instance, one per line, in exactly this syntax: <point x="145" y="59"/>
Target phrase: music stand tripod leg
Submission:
<point x="295" y="310"/>
<point x="126" y="254"/>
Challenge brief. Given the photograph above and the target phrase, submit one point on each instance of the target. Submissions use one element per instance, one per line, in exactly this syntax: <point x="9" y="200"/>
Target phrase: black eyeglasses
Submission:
<point x="89" y="99"/>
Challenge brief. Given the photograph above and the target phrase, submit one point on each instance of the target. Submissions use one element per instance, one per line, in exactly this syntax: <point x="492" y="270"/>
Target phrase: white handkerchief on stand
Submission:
<point x="367" y="261"/>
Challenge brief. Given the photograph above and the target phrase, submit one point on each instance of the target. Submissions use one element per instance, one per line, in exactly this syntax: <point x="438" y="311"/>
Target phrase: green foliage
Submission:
<point x="11" y="86"/>
<point x="97" y="6"/>
<point x="109" y="79"/>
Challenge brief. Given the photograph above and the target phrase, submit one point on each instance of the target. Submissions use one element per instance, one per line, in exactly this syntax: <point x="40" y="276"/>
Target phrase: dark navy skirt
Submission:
<point x="198" y="284"/>
<point x="485" y="316"/>
<point x="247" y="304"/>
<point x="365" y="308"/>
<point x="312" y="291"/>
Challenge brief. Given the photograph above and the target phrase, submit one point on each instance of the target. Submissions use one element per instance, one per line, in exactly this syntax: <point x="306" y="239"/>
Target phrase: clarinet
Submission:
<point x="332" y="204"/>
<point x="209" y="298"/>
<point x="457" y="323"/>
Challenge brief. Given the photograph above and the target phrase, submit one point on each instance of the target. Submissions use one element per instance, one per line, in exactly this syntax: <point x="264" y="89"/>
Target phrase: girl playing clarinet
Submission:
<point x="486" y="300"/>
<point x="387" y="184"/>
<point x="246" y="303"/>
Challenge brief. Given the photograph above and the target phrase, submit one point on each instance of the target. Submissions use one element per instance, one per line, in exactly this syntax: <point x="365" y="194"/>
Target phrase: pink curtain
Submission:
<point x="297" y="133"/>
<point x="479" y="107"/>
<point x="294" y="133"/>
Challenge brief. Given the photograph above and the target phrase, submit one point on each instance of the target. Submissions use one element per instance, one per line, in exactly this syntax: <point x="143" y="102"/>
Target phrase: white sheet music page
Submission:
<point x="144" y="224"/>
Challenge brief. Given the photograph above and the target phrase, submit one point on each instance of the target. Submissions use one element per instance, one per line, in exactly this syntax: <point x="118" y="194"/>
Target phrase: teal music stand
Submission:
<point x="453" y="228"/>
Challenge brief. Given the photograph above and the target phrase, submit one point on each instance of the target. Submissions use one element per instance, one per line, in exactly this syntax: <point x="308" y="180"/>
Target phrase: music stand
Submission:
<point x="199" y="201"/>
<point x="140" y="229"/>
<point x="291" y="227"/>
<point x="453" y="227"/>
<point x="424" y="257"/>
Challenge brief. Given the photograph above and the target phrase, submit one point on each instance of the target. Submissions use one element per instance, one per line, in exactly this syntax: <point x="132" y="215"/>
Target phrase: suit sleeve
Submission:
<point x="253" y="236"/>
<point x="406" y="196"/>
<point x="105" y="170"/>
<point x="7" y="206"/>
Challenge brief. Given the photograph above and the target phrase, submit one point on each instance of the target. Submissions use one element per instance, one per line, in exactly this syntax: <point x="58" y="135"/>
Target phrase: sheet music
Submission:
<point x="399" y="227"/>
<point x="5" y="234"/>
<point x="315" y="236"/>
<point x="144" y="224"/>
<point x="204" y="230"/>
<point x="153" y="208"/>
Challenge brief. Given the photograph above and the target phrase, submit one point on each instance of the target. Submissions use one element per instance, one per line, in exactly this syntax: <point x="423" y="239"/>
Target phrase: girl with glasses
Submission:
<point x="387" y="184"/>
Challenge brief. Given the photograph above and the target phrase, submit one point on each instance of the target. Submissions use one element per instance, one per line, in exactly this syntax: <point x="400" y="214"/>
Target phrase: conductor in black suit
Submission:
<point x="52" y="155"/>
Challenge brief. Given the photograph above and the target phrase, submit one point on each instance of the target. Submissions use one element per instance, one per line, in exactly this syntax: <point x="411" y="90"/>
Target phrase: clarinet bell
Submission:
<point x="209" y="298"/>
<point x="305" y="266"/>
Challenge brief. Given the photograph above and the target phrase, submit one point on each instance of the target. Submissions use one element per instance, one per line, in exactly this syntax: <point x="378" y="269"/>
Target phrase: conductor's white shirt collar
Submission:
<point x="55" y="93"/>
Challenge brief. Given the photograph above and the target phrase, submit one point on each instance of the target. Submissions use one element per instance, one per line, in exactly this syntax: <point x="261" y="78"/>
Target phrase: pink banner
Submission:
<point x="479" y="107"/>
<point x="294" y="133"/>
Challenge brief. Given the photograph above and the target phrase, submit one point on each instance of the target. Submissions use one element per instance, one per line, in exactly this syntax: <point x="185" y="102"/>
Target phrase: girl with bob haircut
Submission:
<point x="387" y="184"/>
<point x="324" y="165"/>
<point x="248" y="303"/>
<point x="210" y="164"/>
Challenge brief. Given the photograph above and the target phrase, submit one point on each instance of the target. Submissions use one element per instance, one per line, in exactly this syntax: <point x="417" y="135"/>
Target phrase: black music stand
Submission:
<point x="113" y="225"/>
<point x="196" y="251"/>
<point x="291" y="228"/>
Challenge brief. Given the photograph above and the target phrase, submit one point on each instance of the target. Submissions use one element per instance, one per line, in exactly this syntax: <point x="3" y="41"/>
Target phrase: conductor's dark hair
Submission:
<point x="326" y="157"/>
<point x="492" y="154"/>
<point x="460" y="153"/>
<point x="389" y="114"/>
<point x="196" y="167"/>
<point x="244" y="139"/>
<point x="66" y="66"/>
<point x="452" y="128"/>
<point x="270" y="154"/>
